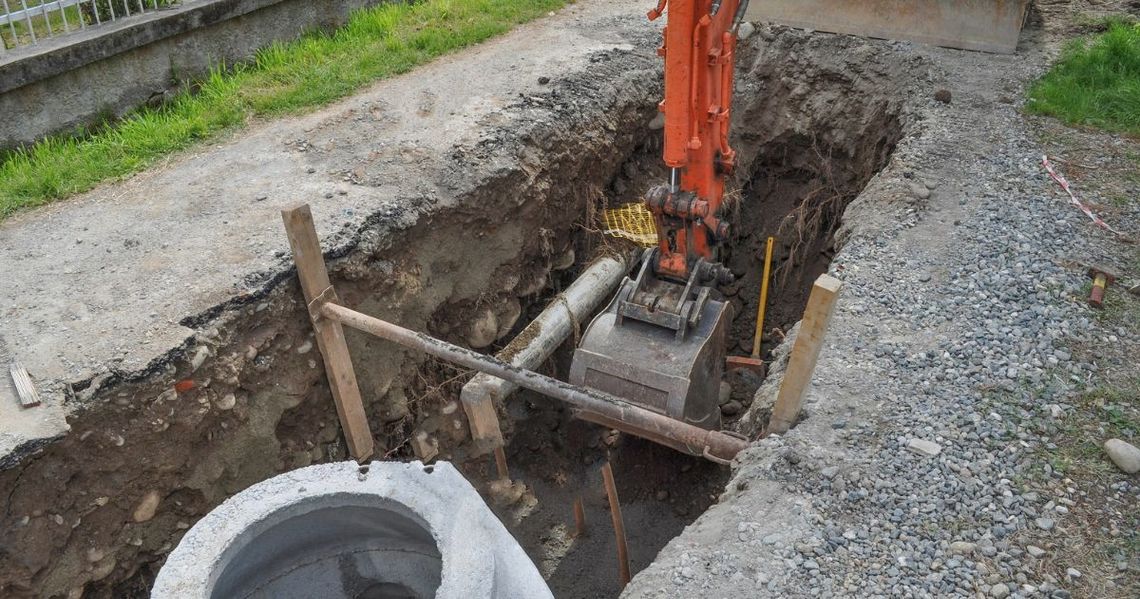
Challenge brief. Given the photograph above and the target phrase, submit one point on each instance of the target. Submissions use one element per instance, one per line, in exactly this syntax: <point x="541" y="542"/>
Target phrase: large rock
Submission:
<point x="483" y="330"/>
<point x="506" y="315"/>
<point x="146" y="508"/>
<point x="1125" y="455"/>
<point x="962" y="548"/>
<point x="924" y="447"/>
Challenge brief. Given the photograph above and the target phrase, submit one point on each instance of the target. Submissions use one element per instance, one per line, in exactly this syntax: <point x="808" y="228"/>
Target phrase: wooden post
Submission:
<point x="619" y="523"/>
<point x="481" y="416"/>
<point x="330" y="335"/>
<point x="501" y="463"/>
<point x="801" y="365"/>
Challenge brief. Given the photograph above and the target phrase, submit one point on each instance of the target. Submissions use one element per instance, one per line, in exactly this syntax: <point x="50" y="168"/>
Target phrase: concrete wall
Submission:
<point x="107" y="71"/>
<point x="986" y="25"/>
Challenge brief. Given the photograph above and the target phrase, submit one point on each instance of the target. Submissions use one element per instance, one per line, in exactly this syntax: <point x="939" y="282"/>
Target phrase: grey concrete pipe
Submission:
<point x="383" y="531"/>
<point x="535" y="343"/>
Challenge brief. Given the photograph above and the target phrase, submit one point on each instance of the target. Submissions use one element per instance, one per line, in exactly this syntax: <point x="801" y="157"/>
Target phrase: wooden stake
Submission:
<point x="619" y="523"/>
<point x="481" y="416"/>
<point x="501" y="463"/>
<point x="801" y="365"/>
<point x="330" y="335"/>
<point x="579" y="517"/>
<point x="763" y="302"/>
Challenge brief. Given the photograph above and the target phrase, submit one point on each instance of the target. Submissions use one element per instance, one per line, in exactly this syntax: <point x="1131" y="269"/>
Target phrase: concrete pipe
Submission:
<point x="382" y="531"/>
<point x="538" y="341"/>
<point x="544" y="334"/>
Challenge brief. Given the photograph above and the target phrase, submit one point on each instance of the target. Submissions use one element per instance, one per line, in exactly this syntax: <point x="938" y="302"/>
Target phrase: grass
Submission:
<point x="1103" y="412"/>
<point x="284" y="78"/>
<point x="1096" y="82"/>
<point x="1103" y="527"/>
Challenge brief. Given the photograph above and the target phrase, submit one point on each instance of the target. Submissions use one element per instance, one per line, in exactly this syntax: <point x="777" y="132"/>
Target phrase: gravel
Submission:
<point x="947" y="385"/>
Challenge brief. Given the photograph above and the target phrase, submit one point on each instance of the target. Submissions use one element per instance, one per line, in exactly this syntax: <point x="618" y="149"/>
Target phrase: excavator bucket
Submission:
<point x="654" y="367"/>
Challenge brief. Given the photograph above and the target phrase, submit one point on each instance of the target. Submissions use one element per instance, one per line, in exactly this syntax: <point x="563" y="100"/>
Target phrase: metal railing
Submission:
<point x="26" y="22"/>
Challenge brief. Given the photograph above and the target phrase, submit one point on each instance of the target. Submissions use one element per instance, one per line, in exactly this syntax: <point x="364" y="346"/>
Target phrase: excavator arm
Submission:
<point x="661" y="342"/>
<point x="699" y="50"/>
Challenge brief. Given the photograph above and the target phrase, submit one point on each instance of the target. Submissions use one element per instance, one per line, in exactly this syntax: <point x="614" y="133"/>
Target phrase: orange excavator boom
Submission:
<point x="661" y="342"/>
<point x="699" y="50"/>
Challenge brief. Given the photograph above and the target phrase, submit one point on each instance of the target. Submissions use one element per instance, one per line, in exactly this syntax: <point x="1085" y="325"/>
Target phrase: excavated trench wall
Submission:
<point x="98" y="509"/>
<point x="93" y="513"/>
<point x="824" y="130"/>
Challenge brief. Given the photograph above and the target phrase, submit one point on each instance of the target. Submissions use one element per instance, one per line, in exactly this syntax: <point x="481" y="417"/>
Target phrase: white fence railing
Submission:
<point x="24" y="22"/>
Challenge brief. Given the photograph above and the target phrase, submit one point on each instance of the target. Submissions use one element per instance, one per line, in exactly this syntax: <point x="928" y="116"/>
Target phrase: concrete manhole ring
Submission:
<point x="381" y="531"/>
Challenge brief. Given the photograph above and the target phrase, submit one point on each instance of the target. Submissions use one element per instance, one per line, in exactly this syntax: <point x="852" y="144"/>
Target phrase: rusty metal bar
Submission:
<point x="592" y="405"/>
<point x="619" y="523"/>
<point x="579" y="517"/>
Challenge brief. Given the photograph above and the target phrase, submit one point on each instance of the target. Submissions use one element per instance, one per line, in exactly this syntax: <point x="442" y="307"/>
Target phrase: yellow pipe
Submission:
<point x="763" y="298"/>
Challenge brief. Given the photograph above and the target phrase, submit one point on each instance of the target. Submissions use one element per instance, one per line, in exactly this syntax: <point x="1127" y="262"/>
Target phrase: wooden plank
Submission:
<point x="805" y="352"/>
<point x="986" y="25"/>
<point x="25" y="389"/>
<point x="330" y="335"/>
<point x="424" y="446"/>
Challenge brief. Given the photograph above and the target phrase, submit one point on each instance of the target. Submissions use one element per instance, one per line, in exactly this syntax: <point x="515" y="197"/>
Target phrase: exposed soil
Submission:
<point x="797" y="188"/>
<point x="94" y="512"/>
<point x="798" y="193"/>
<point x="824" y="509"/>
<point x="559" y="460"/>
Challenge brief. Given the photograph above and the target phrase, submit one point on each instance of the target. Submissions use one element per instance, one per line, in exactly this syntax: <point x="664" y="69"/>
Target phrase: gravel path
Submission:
<point x="918" y="472"/>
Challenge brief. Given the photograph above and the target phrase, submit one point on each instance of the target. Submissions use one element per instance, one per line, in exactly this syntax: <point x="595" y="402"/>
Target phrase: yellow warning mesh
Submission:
<point x="631" y="221"/>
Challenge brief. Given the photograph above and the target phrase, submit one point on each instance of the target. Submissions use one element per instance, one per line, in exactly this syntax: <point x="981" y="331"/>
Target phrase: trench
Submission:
<point x="803" y="160"/>
<point x="795" y="190"/>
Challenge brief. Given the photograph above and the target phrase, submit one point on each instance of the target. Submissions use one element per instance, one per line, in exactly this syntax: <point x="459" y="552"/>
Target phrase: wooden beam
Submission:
<point x="805" y="352"/>
<point x="25" y="389"/>
<point x="424" y="446"/>
<point x="330" y="335"/>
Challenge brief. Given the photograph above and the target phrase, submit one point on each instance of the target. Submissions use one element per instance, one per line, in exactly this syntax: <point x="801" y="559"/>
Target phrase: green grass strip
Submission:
<point x="284" y="78"/>
<point x="1095" y="83"/>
